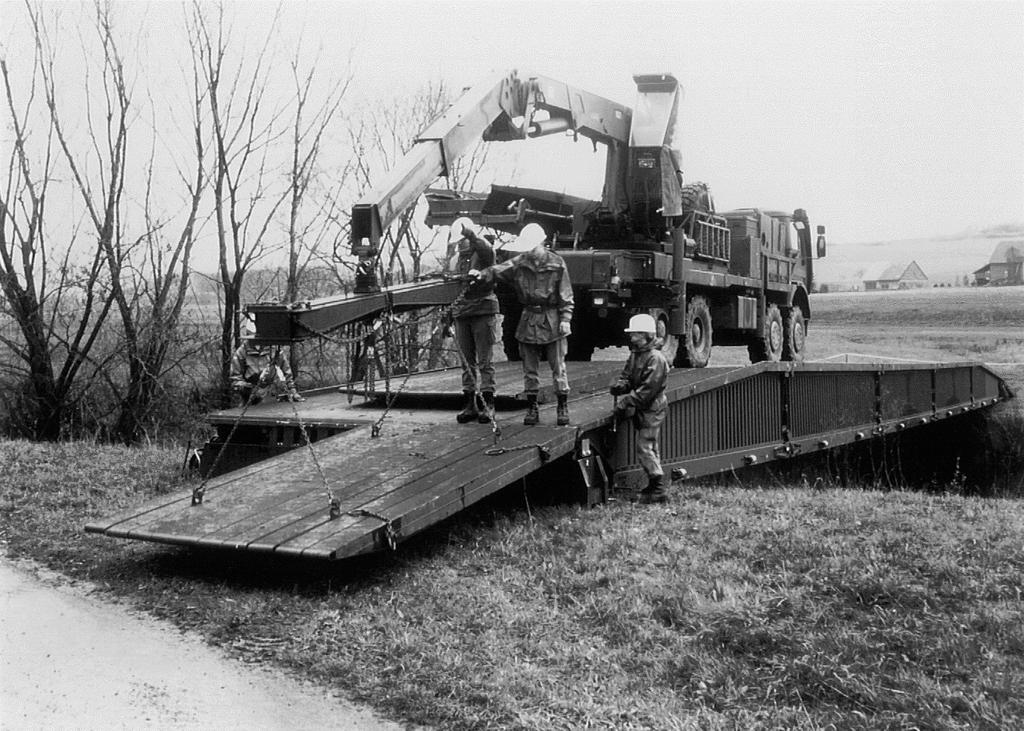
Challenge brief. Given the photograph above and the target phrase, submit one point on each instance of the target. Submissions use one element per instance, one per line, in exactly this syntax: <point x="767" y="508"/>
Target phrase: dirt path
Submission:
<point x="68" y="660"/>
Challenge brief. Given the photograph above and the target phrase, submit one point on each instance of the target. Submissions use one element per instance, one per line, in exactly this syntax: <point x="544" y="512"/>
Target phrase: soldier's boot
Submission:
<point x="488" y="411"/>
<point x="563" y="409"/>
<point x="655" y="491"/>
<point x="469" y="412"/>
<point x="532" y="414"/>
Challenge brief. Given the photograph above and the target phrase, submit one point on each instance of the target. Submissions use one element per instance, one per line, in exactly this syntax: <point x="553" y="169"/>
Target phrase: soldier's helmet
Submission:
<point x="642" y="324"/>
<point x="459" y="226"/>
<point x="529" y="238"/>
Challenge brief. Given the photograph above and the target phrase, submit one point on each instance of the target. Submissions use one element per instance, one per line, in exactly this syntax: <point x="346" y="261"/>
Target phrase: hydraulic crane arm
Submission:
<point x="503" y="108"/>
<point x="499" y="109"/>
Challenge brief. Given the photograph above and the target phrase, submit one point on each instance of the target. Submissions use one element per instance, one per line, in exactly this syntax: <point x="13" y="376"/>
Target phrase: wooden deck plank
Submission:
<point x="288" y="488"/>
<point x="353" y="542"/>
<point x="421" y="504"/>
<point x="371" y="482"/>
<point x="290" y="477"/>
<point x="152" y="510"/>
<point x="453" y="476"/>
<point x="363" y="482"/>
<point x="383" y="492"/>
<point x="253" y="486"/>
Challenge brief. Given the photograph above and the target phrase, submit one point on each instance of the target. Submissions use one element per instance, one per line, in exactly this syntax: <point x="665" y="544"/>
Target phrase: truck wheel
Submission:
<point x="669" y="342"/>
<point x="696" y="197"/>
<point x="694" y="350"/>
<point x="794" y="334"/>
<point x="768" y="345"/>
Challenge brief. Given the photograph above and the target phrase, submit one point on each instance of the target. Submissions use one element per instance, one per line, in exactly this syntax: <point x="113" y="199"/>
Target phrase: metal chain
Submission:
<point x="390" y="533"/>
<point x="390" y="398"/>
<point x="543" y="452"/>
<point x="200" y="491"/>
<point x="333" y="503"/>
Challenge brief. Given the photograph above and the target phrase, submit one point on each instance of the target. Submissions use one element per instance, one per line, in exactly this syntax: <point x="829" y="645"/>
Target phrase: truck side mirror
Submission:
<point x="820" y="244"/>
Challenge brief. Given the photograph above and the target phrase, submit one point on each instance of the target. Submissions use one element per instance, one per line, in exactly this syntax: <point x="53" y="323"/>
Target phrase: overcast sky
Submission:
<point x="884" y="120"/>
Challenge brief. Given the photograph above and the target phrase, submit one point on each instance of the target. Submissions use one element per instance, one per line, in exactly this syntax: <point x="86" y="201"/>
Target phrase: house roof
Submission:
<point x="889" y="272"/>
<point x="1008" y="251"/>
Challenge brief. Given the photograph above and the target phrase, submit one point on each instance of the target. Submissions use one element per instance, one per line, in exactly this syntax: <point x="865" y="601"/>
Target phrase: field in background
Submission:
<point x="945" y="260"/>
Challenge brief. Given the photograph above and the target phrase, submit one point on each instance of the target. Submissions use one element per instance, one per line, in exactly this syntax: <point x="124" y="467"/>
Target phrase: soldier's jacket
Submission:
<point x="479" y="298"/>
<point x="644" y="374"/>
<point x="248" y="362"/>
<point x="543" y="288"/>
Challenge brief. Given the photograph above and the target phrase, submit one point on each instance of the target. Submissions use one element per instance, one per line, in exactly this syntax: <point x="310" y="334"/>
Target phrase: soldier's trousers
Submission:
<point x="555" y="352"/>
<point x="648" y="451"/>
<point x="475" y="338"/>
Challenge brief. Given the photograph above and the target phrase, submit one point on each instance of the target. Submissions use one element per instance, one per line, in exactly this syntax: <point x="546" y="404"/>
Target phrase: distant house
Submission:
<point x="894" y="276"/>
<point x="1005" y="266"/>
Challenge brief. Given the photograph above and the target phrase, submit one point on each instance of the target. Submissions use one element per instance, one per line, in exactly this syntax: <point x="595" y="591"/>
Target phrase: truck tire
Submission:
<point x="669" y="342"/>
<point x="794" y="334"/>
<point x="696" y="197"/>
<point x="694" y="349"/>
<point x="768" y="345"/>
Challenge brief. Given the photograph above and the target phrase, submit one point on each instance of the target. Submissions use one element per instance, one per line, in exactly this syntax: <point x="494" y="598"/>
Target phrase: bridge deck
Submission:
<point x="423" y="467"/>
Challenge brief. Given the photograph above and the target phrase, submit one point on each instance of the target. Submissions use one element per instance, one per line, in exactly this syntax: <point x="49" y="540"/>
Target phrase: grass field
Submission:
<point x="748" y="603"/>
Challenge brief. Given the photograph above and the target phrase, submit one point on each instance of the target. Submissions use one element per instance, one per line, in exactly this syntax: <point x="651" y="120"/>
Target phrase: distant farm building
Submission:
<point x="1005" y="266"/>
<point x="894" y="276"/>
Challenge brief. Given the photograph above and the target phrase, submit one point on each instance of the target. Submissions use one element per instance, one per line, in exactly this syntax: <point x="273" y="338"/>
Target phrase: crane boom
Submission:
<point x="502" y="108"/>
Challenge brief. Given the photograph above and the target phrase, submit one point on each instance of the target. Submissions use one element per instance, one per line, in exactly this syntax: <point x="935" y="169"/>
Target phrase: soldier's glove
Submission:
<point x="291" y="396"/>
<point x="564" y="329"/>
<point x="473" y="274"/>
<point x="266" y="377"/>
<point x="619" y="389"/>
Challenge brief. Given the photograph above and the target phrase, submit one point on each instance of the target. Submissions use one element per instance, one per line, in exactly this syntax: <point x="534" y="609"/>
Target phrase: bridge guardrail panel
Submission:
<point x="822" y="401"/>
<point x="750" y="412"/>
<point x="985" y="383"/>
<point x="905" y="393"/>
<point x="952" y="386"/>
<point x="690" y="427"/>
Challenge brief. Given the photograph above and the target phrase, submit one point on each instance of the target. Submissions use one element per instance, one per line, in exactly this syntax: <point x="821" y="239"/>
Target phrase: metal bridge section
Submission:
<point x="363" y="493"/>
<point x="721" y="419"/>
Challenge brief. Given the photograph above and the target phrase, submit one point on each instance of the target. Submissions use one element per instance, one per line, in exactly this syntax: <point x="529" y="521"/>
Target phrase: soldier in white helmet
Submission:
<point x="257" y="371"/>
<point x="542" y="285"/>
<point x="475" y="315"/>
<point x="641" y="391"/>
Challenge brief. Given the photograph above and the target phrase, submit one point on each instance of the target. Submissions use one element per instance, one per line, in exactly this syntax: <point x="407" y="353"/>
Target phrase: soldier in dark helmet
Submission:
<point x="475" y="318"/>
<point x="641" y="391"/>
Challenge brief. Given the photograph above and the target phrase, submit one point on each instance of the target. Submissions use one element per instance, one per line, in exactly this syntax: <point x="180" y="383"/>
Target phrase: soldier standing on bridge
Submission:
<point x="476" y="319"/>
<point x="641" y="386"/>
<point x="542" y="285"/>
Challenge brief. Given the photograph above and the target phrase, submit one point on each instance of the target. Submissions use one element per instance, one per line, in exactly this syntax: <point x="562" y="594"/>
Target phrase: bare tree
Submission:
<point x="148" y="281"/>
<point x="308" y="224"/>
<point x="59" y="306"/>
<point x="244" y="128"/>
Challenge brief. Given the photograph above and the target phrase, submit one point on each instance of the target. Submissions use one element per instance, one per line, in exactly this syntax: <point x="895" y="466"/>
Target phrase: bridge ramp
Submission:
<point x="351" y="493"/>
